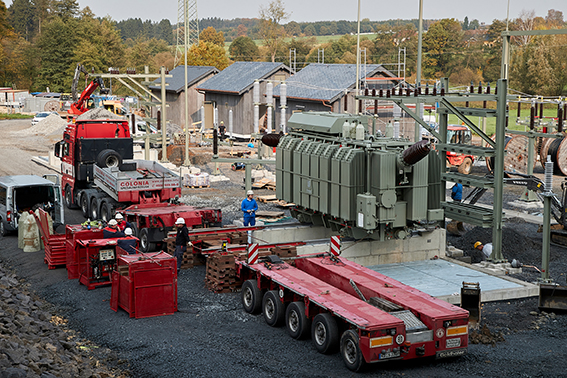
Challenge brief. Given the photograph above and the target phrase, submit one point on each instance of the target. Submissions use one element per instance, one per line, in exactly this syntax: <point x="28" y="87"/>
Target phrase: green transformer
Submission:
<point x="359" y="184"/>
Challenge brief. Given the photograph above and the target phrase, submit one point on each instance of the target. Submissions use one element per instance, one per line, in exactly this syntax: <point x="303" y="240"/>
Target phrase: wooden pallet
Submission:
<point x="267" y="199"/>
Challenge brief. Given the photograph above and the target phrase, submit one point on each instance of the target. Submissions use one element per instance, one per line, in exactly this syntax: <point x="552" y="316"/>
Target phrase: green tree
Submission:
<point x="5" y="28"/>
<point x="164" y="31"/>
<point x="293" y="29"/>
<point x="466" y="23"/>
<point x="207" y="54"/>
<point x="41" y="12"/>
<point x="243" y="49"/>
<point x="271" y="31"/>
<point x="56" y="53"/>
<point x="441" y="46"/>
<point x="309" y="30"/>
<point x="21" y="15"/>
<point x="65" y="8"/>
<point x="211" y="35"/>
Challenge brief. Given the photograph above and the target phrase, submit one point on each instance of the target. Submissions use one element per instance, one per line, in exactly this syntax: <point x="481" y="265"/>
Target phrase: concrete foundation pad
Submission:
<point x="443" y="278"/>
<point x="527" y="205"/>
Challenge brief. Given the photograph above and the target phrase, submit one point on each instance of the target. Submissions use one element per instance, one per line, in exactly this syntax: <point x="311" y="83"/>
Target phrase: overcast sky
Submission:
<point x="317" y="10"/>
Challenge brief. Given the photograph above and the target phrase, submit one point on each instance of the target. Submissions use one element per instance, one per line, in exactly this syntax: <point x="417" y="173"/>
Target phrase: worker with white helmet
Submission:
<point x="181" y="241"/>
<point x="122" y="223"/>
<point x="112" y="231"/>
<point x="129" y="242"/>
<point x="249" y="208"/>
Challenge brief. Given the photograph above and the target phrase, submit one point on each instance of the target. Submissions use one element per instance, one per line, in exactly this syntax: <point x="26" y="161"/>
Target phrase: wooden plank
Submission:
<point x="269" y="214"/>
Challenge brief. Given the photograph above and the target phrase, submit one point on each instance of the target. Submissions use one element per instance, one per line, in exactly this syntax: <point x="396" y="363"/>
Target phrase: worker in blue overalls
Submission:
<point x="249" y="207"/>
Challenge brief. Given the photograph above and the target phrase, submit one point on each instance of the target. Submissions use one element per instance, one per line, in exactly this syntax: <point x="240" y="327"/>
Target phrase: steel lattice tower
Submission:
<point x="187" y="28"/>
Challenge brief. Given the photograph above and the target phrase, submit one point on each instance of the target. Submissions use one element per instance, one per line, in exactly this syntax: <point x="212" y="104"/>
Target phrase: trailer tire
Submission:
<point x="134" y="228"/>
<point x="465" y="167"/>
<point x="350" y="351"/>
<point x="251" y="297"/>
<point x="106" y="211"/>
<point x="298" y="325"/>
<point x="145" y="244"/>
<point x="108" y="158"/>
<point x="325" y="333"/>
<point x="85" y="205"/>
<point x="69" y="200"/>
<point x="95" y="213"/>
<point x="273" y="308"/>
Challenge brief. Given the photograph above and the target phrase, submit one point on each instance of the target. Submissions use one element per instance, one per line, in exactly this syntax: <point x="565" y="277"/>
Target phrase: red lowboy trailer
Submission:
<point x="342" y="305"/>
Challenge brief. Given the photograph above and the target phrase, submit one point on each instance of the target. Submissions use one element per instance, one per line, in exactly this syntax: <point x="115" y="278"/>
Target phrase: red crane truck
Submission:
<point x="343" y="306"/>
<point x="99" y="176"/>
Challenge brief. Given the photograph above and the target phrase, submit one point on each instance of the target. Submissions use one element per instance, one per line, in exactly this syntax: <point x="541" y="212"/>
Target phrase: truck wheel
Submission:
<point x="134" y="229"/>
<point x="145" y="245"/>
<point x="94" y="209"/>
<point x="108" y="158"/>
<point x="273" y="308"/>
<point x="350" y="351"/>
<point x="325" y="333"/>
<point x="298" y="325"/>
<point x="69" y="200"/>
<point x="465" y="167"/>
<point x="106" y="211"/>
<point x="85" y="206"/>
<point x="251" y="297"/>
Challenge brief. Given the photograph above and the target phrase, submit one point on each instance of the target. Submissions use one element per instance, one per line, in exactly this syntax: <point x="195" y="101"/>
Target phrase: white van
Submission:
<point x="25" y="193"/>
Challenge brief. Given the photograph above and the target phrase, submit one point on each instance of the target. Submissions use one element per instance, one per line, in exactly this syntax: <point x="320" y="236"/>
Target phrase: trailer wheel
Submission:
<point x="69" y="200"/>
<point x="350" y="351"/>
<point x="145" y="244"/>
<point x="134" y="229"/>
<point x="251" y="297"/>
<point x="108" y="158"/>
<point x="273" y="308"/>
<point x="106" y="211"/>
<point x="94" y="209"/>
<point x="325" y="333"/>
<point x="85" y="205"/>
<point x="298" y="325"/>
<point x="465" y="167"/>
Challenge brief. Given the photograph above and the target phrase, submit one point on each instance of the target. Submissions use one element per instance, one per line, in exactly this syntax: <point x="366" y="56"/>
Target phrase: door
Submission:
<point x="58" y="210"/>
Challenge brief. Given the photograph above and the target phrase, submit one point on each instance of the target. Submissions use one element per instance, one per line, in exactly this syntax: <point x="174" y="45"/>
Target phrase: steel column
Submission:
<point x="163" y="119"/>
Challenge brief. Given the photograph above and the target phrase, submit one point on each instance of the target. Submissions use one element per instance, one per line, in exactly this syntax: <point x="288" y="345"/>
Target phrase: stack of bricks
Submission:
<point x="188" y="260"/>
<point x="282" y="252"/>
<point x="221" y="273"/>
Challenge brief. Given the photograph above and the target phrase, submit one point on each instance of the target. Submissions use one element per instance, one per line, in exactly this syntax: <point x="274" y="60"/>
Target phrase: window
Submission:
<point x="2" y="196"/>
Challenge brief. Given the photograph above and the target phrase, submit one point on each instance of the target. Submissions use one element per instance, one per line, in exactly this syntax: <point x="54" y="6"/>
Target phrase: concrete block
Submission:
<point x="454" y="252"/>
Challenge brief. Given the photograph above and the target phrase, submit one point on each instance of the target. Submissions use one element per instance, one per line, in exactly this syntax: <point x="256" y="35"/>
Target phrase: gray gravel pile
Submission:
<point x="36" y="343"/>
<point x="52" y="124"/>
<point x="98" y="113"/>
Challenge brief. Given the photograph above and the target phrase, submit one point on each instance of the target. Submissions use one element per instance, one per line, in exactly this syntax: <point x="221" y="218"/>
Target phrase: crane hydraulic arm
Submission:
<point x="80" y="105"/>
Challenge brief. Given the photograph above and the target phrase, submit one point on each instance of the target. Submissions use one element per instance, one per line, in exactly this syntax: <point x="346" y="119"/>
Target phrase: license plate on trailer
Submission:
<point x="451" y="353"/>
<point x="453" y="343"/>
<point x="386" y="355"/>
<point x="106" y="254"/>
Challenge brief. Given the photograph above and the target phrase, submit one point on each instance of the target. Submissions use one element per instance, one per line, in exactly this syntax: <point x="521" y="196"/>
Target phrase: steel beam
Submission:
<point x="467" y="122"/>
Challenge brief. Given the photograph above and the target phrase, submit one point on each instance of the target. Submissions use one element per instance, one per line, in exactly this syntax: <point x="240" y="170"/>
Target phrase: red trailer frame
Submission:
<point x="394" y="322"/>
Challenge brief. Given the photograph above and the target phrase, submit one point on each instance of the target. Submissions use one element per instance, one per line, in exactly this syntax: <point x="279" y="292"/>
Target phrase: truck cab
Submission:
<point x="459" y="135"/>
<point x="25" y="193"/>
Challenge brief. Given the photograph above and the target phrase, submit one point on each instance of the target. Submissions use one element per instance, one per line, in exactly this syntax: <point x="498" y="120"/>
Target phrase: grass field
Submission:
<point x="15" y="116"/>
<point x="321" y="39"/>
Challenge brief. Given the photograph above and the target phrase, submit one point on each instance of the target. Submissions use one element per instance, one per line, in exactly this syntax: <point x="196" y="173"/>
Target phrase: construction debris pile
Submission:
<point x="51" y="125"/>
<point x="36" y="343"/>
<point x="98" y="113"/>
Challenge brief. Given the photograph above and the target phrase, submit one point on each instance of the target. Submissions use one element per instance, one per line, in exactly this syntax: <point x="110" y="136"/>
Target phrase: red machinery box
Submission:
<point x="73" y="233"/>
<point x="145" y="285"/>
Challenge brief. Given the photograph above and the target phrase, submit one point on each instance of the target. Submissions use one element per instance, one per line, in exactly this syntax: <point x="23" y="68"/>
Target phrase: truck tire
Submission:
<point x="273" y="308"/>
<point x="298" y="325"/>
<point x="145" y="244"/>
<point x="108" y="158"/>
<point x="350" y="351"/>
<point x="251" y="297"/>
<point x="85" y="205"/>
<point x="106" y="212"/>
<point x="95" y="213"/>
<point x="69" y="200"/>
<point x="325" y="333"/>
<point x="465" y="167"/>
<point x="134" y="229"/>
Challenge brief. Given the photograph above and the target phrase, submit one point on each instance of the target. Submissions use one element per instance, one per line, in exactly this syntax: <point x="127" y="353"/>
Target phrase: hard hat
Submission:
<point x="250" y="192"/>
<point x="128" y="231"/>
<point x="477" y="244"/>
<point x="112" y="222"/>
<point x="118" y="216"/>
<point x="180" y="221"/>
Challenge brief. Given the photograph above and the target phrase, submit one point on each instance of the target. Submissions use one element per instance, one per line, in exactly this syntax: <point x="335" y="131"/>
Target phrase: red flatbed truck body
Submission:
<point x="407" y="323"/>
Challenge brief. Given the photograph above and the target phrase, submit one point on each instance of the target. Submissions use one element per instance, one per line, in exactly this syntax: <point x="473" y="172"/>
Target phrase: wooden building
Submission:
<point x="175" y="92"/>
<point x="232" y="90"/>
<point x="326" y="87"/>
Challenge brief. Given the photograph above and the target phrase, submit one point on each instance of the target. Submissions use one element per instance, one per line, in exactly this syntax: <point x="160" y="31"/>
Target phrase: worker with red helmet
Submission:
<point x="181" y="241"/>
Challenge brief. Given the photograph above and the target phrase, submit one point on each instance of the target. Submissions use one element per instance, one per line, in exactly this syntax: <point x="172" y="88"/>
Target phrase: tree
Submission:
<point x="5" y="28"/>
<point x="293" y="29"/>
<point x="65" y="8"/>
<point x="243" y="49"/>
<point x="525" y="22"/>
<point x="56" y="53"/>
<point x="207" y="54"/>
<point x="164" y="31"/>
<point x="41" y="12"/>
<point x="270" y="29"/>
<point x="212" y="36"/>
<point x="554" y="18"/>
<point x="466" y="23"/>
<point x="441" y="44"/>
<point x="21" y="14"/>
<point x="309" y="30"/>
<point x="241" y="31"/>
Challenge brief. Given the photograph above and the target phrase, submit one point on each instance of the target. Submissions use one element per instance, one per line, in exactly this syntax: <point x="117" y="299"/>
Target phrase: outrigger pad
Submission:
<point x="274" y="259"/>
